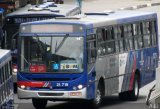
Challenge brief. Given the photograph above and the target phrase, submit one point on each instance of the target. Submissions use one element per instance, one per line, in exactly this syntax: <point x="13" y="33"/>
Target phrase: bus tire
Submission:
<point x="133" y="94"/>
<point x="98" y="96"/>
<point x="39" y="103"/>
<point x="123" y="96"/>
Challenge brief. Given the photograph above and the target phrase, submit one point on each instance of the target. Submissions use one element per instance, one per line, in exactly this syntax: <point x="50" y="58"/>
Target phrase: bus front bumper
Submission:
<point x="28" y="94"/>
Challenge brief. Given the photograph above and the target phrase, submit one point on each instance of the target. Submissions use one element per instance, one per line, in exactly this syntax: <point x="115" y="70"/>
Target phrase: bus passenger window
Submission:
<point x="140" y="42"/>
<point x="109" y="33"/>
<point x="99" y="35"/>
<point x="116" y="39"/>
<point x="146" y="34"/>
<point x="153" y="32"/>
<point x="110" y="43"/>
<point x="121" y="39"/>
<point x="110" y="47"/>
<point x="126" y="38"/>
<point x="137" y="32"/>
<point x="91" y="50"/>
<point x="101" y="38"/>
<point x="104" y="34"/>
<point x="130" y="35"/>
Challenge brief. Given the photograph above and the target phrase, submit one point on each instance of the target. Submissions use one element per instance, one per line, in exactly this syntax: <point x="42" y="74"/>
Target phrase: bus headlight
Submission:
<point x="15" y="70"/>
<point x="80" y="86"/>
<point x="23" y="87"/>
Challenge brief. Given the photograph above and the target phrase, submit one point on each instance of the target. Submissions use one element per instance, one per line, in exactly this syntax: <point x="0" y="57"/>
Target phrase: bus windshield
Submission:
<point x="61" y="54"/>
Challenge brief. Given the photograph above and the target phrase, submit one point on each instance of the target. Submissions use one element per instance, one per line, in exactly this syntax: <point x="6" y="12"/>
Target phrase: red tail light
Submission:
<point x="37" y="68"/>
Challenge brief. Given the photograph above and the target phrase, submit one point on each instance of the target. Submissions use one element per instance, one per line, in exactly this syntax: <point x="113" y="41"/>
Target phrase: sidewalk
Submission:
<point x="102" y="5"/>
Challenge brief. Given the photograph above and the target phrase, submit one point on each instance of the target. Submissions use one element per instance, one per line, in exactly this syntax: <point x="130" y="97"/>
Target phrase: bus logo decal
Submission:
<point x="56" y="66"/>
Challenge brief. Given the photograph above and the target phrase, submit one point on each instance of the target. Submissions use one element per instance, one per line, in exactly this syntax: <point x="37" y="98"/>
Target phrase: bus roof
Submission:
<point x="102" y="19"/>
<point x="5" y="55"/>
<point x="48" y="8"/>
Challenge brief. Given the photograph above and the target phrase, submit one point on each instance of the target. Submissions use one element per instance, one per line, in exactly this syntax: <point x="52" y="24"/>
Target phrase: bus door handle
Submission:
<point x="94" y="74"/>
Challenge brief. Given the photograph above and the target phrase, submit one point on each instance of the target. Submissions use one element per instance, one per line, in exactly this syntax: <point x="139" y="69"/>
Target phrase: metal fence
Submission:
<point x="6" y="81"/>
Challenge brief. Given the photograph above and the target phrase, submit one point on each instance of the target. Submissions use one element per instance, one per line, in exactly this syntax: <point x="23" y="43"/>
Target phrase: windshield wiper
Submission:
<point x="13" y="36"/>
<point x="25" y="59"/>
<point x="40" y="43"/>
<point x="61" y="43"/>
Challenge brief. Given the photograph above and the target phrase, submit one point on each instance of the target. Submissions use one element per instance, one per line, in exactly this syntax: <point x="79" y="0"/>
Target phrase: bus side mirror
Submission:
<point x="13" y="44"/>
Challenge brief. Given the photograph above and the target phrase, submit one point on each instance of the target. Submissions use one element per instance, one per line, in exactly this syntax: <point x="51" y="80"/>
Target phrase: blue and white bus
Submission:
<point x="87" y="57"/>
<point x="6" y="80"/>
<point x="31" y="13"/>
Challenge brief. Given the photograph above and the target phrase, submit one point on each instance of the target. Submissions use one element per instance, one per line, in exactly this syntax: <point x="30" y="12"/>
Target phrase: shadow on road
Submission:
<point x="111" y="102"/>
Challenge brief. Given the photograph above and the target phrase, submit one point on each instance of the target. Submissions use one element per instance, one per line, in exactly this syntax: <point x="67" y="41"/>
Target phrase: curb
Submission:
<point x="140" y="6"/>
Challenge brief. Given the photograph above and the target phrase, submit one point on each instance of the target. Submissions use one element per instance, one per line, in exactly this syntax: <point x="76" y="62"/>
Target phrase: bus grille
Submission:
<point x="51" y="94"/>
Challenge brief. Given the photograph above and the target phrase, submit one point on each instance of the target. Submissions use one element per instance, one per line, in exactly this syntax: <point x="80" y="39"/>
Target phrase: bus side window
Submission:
<point x="91" y="49"/>
<point x="153" y="32"/>
<point x="146" y="34"/>
<point x="99" y="35"/>
<point x="121" y="39"/>
<point x="110" y="43"/>
<point x="137" y="32"/>
<point x="127" y="32"/>
<point x="116" y="39"/>
<point x="134" y="36"/>
<point x="128" y="38"/>
<point x="130" y="35"/>
<point x="101" y="41"/>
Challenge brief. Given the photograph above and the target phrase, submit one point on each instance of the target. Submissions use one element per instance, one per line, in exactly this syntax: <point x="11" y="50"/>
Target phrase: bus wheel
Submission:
<point x="133" y="94"/>
<point x="98" y="97"/>
<point x="39" y="103"/>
